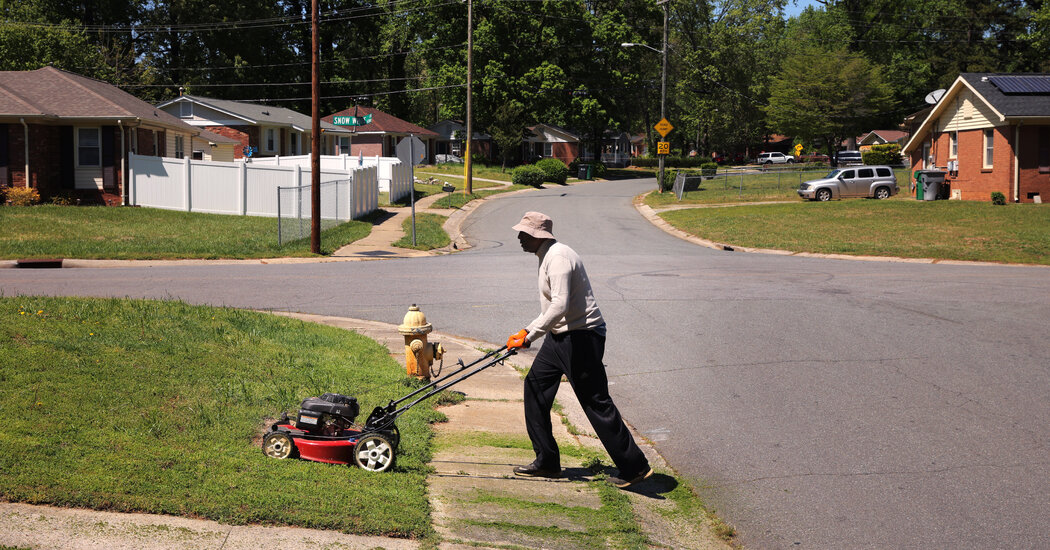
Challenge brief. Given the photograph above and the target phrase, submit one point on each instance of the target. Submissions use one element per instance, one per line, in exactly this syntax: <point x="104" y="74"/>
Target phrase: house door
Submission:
<point x="88" y="151"/>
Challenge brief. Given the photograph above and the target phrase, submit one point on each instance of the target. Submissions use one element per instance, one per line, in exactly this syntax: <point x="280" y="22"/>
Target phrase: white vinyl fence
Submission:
<point x="240" y="188"/>
<point x="394" y="176"/>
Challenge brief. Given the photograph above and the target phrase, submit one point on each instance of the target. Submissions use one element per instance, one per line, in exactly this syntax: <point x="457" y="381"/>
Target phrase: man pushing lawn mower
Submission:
<point x="574" y="346"/>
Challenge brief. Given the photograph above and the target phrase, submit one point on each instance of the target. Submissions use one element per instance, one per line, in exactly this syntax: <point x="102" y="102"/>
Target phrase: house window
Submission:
<point x="344" y="145"/>
<point x="927" y="158"/>
<point x="89" y="147"/>
<point x="953" y="144"/>
<point x="271" y="140"/>
<point x="198" y="155"/>
<point x="180" y="147"/>
<point x="548" y="149"/>
<point x="185" y="109"/>
<point x="989" y="142"/>
<point x="293" y="143"/>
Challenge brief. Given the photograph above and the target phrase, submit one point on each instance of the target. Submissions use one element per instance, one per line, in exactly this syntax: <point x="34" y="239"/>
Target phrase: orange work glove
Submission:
<point x="517" y="340"/>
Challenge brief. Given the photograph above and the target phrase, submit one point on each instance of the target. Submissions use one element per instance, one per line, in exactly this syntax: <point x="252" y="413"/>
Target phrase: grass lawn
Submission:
<point x="953" y="230"/>
<point x="50" y="231"/>
<point x="483" y="171"/>
<point x="754" y="186"/>
<point x="429" y="233"/>
<point x="458" y="198"/>
<point x="158" y="407"/>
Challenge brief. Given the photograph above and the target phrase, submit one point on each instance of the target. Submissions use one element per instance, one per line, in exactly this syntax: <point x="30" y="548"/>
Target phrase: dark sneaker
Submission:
<point x="623" y="483"/>
<point x="532" y="470"/>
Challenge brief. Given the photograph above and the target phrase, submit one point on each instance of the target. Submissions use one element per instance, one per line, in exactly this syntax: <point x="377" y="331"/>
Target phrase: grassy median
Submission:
<point x="105" y="232"/>
<point x="951" y="230"/>
<point x="158" y="407"/>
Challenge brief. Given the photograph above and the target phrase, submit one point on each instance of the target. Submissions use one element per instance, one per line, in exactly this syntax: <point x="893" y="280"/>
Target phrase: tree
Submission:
<point x="506" y="130"/>
<point x="830" y="94"/>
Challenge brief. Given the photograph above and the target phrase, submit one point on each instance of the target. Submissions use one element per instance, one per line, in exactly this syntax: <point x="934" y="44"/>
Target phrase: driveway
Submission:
<point x="816" y="403"/>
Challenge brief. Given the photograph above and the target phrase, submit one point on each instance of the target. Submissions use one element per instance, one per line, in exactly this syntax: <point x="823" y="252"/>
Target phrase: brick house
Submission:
<point x="993" y="131"/>
<point x="549" y="141"/>
<point x="381" y="136"/>
<point x="879" y="137"/>
<point x="273" y="131"/>
<point x="450" y="140"/>
<point x="62" y="133"/>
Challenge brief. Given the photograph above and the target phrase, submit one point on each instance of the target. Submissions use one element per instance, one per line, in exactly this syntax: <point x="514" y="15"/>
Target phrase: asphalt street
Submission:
<point x="816" y="403"/>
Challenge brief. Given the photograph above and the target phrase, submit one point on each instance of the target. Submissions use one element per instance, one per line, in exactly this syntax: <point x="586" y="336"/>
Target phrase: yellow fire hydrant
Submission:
<point x="419" y="354"/>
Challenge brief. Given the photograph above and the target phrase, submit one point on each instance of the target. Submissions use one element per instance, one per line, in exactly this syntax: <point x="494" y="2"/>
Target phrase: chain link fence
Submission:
<point x="293" y="209"/>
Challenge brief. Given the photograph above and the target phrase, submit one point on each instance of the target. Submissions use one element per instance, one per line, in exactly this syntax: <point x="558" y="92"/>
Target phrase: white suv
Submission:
<point x="774" y="158"/>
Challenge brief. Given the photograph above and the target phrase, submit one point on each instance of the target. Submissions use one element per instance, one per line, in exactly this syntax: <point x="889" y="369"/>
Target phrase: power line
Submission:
<point x="355" y="96"/>
<point x="293" y="20"/>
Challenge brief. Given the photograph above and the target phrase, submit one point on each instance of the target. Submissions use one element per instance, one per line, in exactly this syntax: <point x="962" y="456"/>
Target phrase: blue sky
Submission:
<point x="794" y="7"/>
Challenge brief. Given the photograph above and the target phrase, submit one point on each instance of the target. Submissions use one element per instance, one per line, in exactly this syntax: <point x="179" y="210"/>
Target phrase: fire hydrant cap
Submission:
<point x="414" y="322"/>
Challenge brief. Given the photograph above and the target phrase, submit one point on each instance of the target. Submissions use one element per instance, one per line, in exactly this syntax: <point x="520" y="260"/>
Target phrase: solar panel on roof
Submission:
<point x="1022" y="84"/>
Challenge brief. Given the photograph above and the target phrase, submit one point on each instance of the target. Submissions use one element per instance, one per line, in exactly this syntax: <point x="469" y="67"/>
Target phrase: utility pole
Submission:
<point x="663" y="93"/>
<point x="468" y="179"/>
<point x="315" y="143"/>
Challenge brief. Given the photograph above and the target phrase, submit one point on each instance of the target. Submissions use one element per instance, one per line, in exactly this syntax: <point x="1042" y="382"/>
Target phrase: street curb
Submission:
<point x="654" y="218"/>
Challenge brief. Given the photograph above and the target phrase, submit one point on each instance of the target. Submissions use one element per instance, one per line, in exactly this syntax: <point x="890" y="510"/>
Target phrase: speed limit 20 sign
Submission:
<point x="663" y="148"/>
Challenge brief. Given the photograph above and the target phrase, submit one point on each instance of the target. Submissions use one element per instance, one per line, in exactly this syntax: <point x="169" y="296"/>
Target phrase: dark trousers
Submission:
<point x="578" y="355"/>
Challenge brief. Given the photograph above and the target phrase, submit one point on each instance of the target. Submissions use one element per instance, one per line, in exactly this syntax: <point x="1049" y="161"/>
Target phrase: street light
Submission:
<point x="663" y="87"/>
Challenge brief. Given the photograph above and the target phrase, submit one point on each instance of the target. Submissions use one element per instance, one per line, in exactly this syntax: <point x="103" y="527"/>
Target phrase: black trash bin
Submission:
<point x="932" y="180"/>
<point x="583" y="172"/>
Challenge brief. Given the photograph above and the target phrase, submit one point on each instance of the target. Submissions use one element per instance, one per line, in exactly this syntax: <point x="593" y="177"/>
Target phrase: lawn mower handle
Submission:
<point x="383" y="417"/>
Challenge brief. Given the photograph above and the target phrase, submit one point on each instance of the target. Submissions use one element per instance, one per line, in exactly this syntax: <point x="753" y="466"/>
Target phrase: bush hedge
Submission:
<point x="554" y="170"/>
<point x="528" y="175"/>
<point x="671" y="162"/>
<point x="885" y="153"/>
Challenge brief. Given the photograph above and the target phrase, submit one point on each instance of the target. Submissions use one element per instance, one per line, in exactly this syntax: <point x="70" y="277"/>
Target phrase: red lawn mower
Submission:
<point x="324" y="429"/>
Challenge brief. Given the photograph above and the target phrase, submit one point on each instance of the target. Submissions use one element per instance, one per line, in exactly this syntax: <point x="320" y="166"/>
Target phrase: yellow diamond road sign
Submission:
<point x="663" y="127"/>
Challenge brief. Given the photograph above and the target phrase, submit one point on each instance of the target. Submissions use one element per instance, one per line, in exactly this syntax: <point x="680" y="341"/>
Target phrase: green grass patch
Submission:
<point x="100" y="232"/>
<point x="952" y="230"/>
<point x="429" y="232"/>
<point x="458" y="198"/>
<point x="613" y="524"/>
<point x="753" y="186"/>
<point x="477" y="170"/>
<point x="159" y="407"/>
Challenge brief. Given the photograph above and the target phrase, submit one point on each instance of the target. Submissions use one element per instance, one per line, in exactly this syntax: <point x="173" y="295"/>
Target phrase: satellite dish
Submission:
<point x="933" y="97"/>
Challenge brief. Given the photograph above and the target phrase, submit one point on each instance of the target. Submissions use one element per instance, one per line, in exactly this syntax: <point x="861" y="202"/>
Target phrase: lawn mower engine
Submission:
<point x="328" y="415"/>
<point x="324" y="431"/>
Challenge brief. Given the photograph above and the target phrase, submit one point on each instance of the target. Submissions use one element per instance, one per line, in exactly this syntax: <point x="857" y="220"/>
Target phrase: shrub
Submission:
<point x="527" y="175"/>
<point x="998" y="198"/>
<point x="554" y="170"/>
<point x="598" y="169"/>
<point x="709" y="169"/>
<point x="22" y="196"/>
<point x="886" y="153"/>
<point x="65" y="199"/>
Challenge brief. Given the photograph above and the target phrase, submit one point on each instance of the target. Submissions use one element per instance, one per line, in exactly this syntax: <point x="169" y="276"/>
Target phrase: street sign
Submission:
<point x="664" y="127"/>
<point x="663" y="148"/>
<point x="411" y="151"/>
<point x="352" y="120"/>
<point x="798" y="149"/>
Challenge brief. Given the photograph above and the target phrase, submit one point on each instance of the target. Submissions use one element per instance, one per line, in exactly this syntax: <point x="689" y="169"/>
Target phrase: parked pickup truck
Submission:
<point x="774" y="158"/>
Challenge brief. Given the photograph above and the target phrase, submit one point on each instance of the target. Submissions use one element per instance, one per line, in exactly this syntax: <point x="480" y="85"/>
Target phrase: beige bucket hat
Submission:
<point x="537" y="224"/>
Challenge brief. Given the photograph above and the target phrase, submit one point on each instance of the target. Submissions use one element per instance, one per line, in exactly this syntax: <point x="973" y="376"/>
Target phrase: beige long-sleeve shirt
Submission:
<point x="566" y="300"/>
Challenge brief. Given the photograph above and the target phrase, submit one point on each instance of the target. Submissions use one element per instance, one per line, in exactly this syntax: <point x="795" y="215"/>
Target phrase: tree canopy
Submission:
<point x="739" y="70"/>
